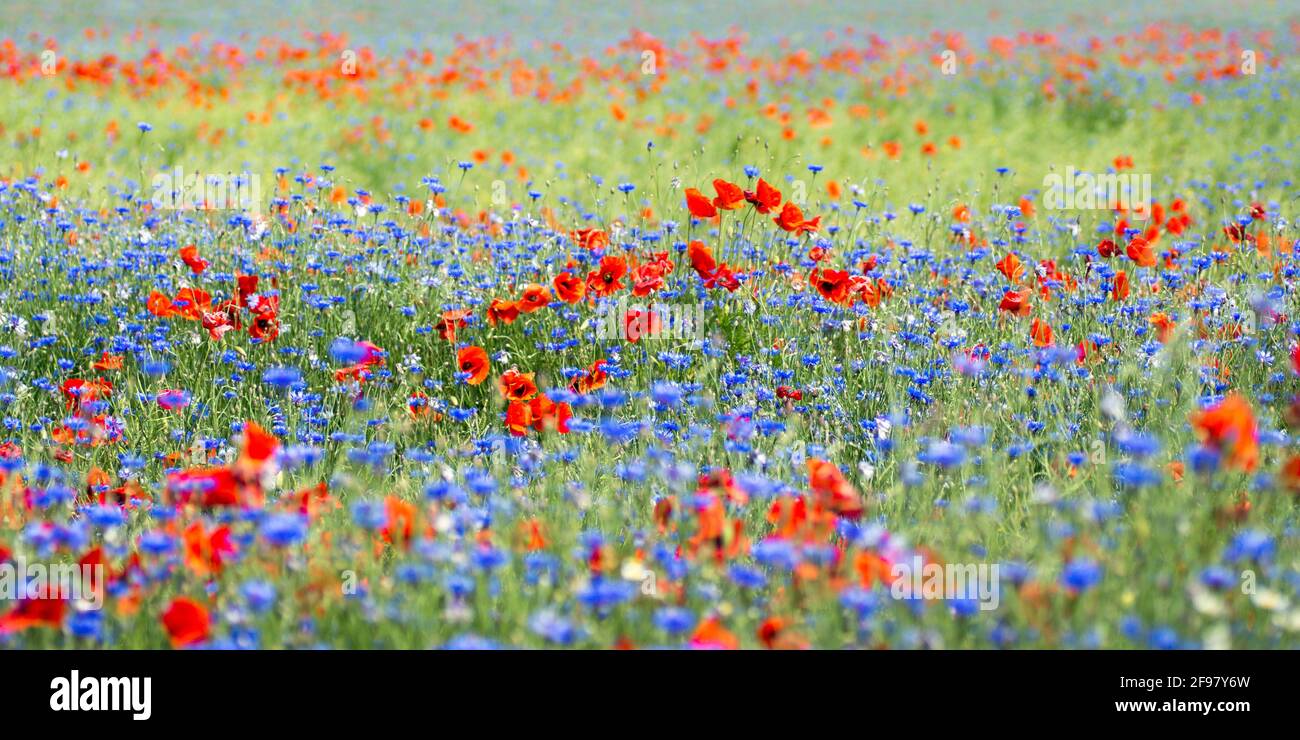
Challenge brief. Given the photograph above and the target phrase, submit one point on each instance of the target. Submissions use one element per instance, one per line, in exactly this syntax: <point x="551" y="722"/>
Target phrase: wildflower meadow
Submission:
<point x="782" y="327"/>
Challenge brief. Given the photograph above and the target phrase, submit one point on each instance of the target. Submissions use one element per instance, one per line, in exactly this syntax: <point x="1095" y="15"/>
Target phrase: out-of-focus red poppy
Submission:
<point x="452" y="320"/>
<point x="1011" y="266"/>
<point x="39" y="610"/>
<point x="160" y="305"/>
<point x="593" y="379"/>
<point x="519" y="418"/>
<point x="1229" y="426"/>
<point x="206" y="552"/>
<point x="775" y="634"/>
<point x="1015" y="302"/>
<point x="259" y="444"/>
<point x="548" y="415"/>
<point x="400" y="525"/>
<point x="186" y="621"/>
<point x="1164" y="326"/>
<point x="1121" y="289"/>
<point x="1041" y="333"/>
<point x="593" y="239"/>
<point x="710" y="634"/>
<point x="1140" y="251"/>
<point x="832" y="491"/>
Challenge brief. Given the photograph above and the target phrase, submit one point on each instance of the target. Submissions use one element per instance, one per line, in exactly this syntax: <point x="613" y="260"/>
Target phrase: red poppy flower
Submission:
<point x="546" y="415"/>
<point x="518" y="418"/>
<point x="265" y="326"/>
<point x="1140" y="251"/>
<point x="832" y="491"/>
<point x="710" y="634"/>
<point x="193" y="303"/>
<point x="400" y="526"/>
<point x="259" y="445"/>
<point x="1015" y="302"/>
<point x="214" y="486"/>
<point x="1163" y="324"/>
<point x="775" y="635"/>
<point x="206" y="552"/>
<point x="473" y="360"/>
<point x="833" y="285"/>
<point x="765" y="198"/>
<point x="568" y="287"/>
<point x="730" y="196"/>
<point x="502" y="312"/>
<point x="43" y="610"/>
<point x="535" y="297"/>
<point x="701" y="258"/>
<point x="93" y="559"/>
<point x="1011" y="267"/>
<point x="217" y="323"/>
<point x="517" y="386"/>
<point x="247" y="287"/>
<point x="593" y="239"/>
<point x="722" y="277"/>
<point x="186" y="621"/>
<point x="1121" y="289"/>
<point x="647" y="279"/>
<point x="594" y="378"/>
<point x="1290" y="475"/>
<point x="1041" y="333"/>
<point x="792" y="220"/>
<point x="637" y="324"/>
<point x="418" y="406"/>
<point x="190" y="256"/>
<point x="1229" y="426"/>
<point x="608" y="278"/>
<point x="78" y="392"/>
<point x="785" y="391"/>
<point x="450" y="321"/>
<point x="866" y="289"/>
<point x="160" y="305"/>
<point x="108" y="362"/>
<point x="699" y="205"/>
